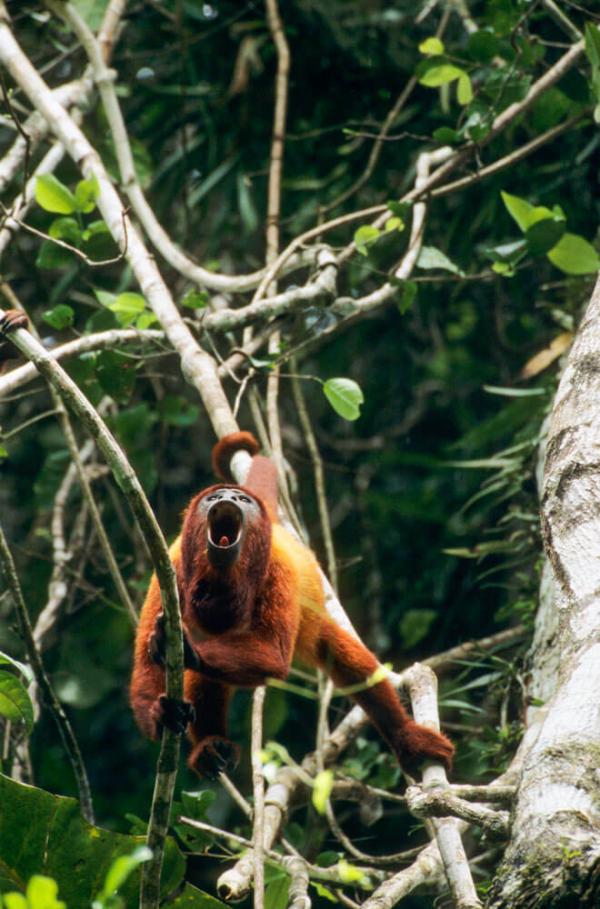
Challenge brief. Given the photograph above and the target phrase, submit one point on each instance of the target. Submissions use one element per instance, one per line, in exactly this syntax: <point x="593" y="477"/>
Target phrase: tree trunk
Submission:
<point x="553" y="857"/>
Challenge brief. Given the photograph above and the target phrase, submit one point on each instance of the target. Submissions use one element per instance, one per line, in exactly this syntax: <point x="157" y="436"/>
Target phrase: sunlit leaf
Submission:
<point x="345" y="396"/>
<point x="575" y="256"/>
<point x="322" y="786"/>
<point x="432" y="47"/>
<point x="52" y="195"/>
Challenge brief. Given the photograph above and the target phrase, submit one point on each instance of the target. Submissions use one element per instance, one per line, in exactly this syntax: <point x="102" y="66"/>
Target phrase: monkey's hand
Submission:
<point x="10" y="320"/>
<point x="157" y="646"/>
<point x="214" y="755"/>
<point x="417" y="744"/>
<point x="171" y="714"/>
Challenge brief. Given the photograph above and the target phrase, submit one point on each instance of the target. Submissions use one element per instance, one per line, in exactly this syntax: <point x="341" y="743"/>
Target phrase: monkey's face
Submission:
<point x="227" y="513"/>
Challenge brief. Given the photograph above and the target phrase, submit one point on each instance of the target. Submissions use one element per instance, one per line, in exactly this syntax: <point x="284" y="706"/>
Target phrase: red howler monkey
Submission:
<point x="251" y="601"/>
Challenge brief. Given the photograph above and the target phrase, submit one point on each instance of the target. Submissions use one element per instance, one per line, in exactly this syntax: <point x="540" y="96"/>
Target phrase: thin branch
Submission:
<point x="258" y="785"/>
<point x="319" y="477"/>
<point x="442" y="802"/>
<point x="33" y="655"/>
<point x="102" y="340"/>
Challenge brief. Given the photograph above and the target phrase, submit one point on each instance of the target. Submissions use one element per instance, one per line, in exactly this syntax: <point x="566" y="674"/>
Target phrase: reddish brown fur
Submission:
<point x="247" y="622"/>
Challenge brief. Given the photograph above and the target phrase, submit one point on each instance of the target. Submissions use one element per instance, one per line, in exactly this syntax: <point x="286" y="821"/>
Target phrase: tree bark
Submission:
<point x="553" y="857"/>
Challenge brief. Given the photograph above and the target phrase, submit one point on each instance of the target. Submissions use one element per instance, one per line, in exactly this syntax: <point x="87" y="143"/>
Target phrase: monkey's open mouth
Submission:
<point x="224" y="525"/>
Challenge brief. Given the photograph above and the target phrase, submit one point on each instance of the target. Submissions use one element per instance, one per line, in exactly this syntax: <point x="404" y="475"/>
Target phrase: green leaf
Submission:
<point x="52" y="195"/>
<point x="464" y="92"/>
<point x="441" y="74"/>
<point x="365" y="236"/>
<point x="350" y="874"/>
<point x="276" y="893"/>
<point x="526" y="214"/>
<point x="575" y="256"/>
<point x="15" y="703"/>
<point x="104" y="297"/>
<point x="146" y="319"/>
<point x="544" y="235"/>
<point x="592" y="44"/>
<point x="195" y="299"/>
<point x="127" y="307"/>
<point x="409" y="295"/>
<point x="14" y="901"/>
<point x="51" y="256"/>
<point x="41" y="833"/>
<point x="345" y="396"/>
<point x="116" y="374"/>
<point x="446" y="136"/>
<point x="325" y="892"/>
<point x="322" y="786"/>
<point x="23" y="668"/>
<point x="431" y="47"/>
<point x="482" y="46"/>
<point x="86" y="193"/>
<point x="518" y="209"/>
<point x="42" y="893"/>
<point x="59" y="317"/>
<point x="66" y="229"/>
<point x="394" y="223"/>
<point x="121" y="869"/>
<point x="430" y="257"/>
<point x="177" y="411"/>
<point x="196" y="804"/>
<point x="399" y="209"/>
<point x="415" y="625"/>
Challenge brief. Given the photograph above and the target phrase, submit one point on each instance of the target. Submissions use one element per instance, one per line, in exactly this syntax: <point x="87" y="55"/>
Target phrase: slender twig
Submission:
<point x="66" y="732"/>
<point x="114" y="338"/>
<point x="319" y="477"/>
<point x="258" y="785"/>
<point x="273" y="216"/>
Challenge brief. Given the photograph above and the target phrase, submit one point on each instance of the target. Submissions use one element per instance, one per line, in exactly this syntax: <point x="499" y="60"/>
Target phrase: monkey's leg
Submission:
<point x="212" y="751"/>
<point x="348" y="662"/>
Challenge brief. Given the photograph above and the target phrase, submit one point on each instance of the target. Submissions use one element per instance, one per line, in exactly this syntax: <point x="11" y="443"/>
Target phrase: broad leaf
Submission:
<point x="441" y="75"/>
<point x="575" y="256"/>
<point x="345" y="396"/>
<point x="45" y="834"/>
<point x="430" y="257"/>
<point x="432" y="47"/>
<point x="15" y="703"/>
<point x="52" y="195"/>
<point x="59" y="317"/>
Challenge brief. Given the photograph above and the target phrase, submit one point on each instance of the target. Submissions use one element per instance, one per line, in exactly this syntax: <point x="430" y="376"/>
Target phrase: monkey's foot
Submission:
<point x="172" y="714"/>
<point x="418" y="744"/>
<point x="11" y="319"/>
<point x="157" y="645"/>
<point x="214" y="755"/>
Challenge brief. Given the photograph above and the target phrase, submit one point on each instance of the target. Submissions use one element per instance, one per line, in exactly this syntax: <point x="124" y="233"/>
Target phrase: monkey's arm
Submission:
<point x="349" y="663"/>
<point x="151" y="706"/>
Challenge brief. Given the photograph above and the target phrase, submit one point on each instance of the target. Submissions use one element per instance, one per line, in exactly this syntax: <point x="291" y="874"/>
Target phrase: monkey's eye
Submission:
<point x="245" y="499"/>
<point x="211" y="498"/>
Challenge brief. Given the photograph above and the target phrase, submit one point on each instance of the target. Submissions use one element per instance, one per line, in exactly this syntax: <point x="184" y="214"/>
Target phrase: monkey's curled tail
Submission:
<point x="262" y="478"/>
